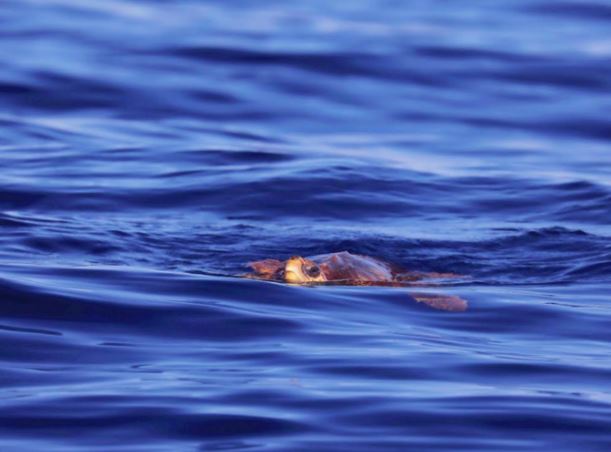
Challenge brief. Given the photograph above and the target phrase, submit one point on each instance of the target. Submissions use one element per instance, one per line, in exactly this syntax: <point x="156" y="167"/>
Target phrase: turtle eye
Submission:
<point x="312" y="270"/>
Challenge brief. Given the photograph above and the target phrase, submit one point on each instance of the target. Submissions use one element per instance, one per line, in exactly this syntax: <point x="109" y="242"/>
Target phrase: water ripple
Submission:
<point x="151" y="150"/>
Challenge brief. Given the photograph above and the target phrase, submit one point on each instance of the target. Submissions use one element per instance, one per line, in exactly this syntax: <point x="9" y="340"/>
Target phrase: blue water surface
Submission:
<point x="150" y="149"/>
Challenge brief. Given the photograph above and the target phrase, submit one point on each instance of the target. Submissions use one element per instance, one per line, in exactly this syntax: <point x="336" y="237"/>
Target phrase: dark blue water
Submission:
<point x="150" y="149"/>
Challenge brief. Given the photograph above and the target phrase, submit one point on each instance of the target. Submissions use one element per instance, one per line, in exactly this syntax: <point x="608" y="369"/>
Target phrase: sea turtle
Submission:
<point x="349" y="269"/>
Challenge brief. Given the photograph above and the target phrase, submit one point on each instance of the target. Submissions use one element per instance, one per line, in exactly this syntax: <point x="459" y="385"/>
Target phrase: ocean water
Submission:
<point x="150" y="149"/>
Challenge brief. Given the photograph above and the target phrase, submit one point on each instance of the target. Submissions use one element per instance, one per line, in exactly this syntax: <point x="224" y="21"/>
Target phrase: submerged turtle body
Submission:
<point x="352" y="269"/>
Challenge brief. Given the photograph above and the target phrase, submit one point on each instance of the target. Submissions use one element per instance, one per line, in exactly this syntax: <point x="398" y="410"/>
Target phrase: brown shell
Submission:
<point x="345" y="266"/>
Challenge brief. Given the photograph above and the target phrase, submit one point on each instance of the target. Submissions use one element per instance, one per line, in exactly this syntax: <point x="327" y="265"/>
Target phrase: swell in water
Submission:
<point x="150" y="150"/>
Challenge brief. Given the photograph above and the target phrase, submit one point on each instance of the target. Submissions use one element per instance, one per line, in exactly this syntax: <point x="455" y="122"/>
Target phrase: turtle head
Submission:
<point x="299" y="270"/>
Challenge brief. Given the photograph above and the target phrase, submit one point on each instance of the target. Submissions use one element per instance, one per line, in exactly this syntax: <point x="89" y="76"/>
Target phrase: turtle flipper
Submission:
<point x="266" y="269"/>
<point x="441" y="301"/>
